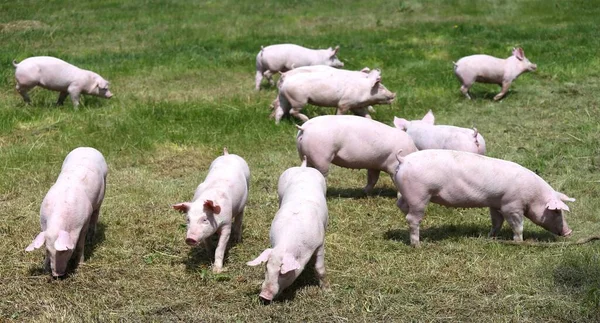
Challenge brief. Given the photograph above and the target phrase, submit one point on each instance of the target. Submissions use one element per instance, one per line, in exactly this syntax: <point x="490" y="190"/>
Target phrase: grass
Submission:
<point x="182" y="73"/>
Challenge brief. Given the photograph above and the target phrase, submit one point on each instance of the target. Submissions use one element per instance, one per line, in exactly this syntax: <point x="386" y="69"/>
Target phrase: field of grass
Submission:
<point x="182" y="73"/>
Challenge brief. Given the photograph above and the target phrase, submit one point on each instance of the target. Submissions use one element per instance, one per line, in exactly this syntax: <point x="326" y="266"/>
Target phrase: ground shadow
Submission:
<point x="483" y="94"/>
<point x="96" y="241"/>
<point x="454" y="231"/>
<point x="356" y="193"/>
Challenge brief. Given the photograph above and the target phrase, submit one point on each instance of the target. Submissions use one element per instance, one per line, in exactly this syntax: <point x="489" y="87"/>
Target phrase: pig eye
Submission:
<point x="204" y="220"/>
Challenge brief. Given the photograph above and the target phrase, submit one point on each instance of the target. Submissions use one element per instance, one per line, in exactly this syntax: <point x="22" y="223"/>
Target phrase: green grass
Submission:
<point x="183" y="75"/>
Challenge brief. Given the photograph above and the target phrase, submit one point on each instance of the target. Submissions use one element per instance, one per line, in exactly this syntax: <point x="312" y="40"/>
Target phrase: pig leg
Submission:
<point x="237" y="227"/>
<point x="296" y="113"/>
<point x="402" y="205"/>
<point x="61" y="98"/>
<point x="505" y="86"/>
<point x="79" y="248"/>
<point x="464" y="89"/>
<point x="322" y="165"/>
<point x="220" y="251"/>
<point x="414" y="218"/>
<point x="74" y="92"/>
<point x="23" y="92"/>
<point x="269" y="77"/>
<point x="258" y="78"/>
<point x="362" y="112"/>
<point x="89" y="238"/>
<point x="497" y="221"/>
<point x="47" y="267"/>
<point x="372" y="178"/>
<point x="515" y="220"/>
<point x="320" y="267"/>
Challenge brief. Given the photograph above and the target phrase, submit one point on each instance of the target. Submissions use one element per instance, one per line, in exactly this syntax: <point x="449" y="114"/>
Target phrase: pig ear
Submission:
<point x="335" y="50"/>
<point x="211" y="205"/>
<point x="63" y="242"/>
<point x="564" y="198"/>
<point x="375" y="77"/>
<point x="556" y="204"/>
<point x="263" y="257"/>
<point x="366" y="70"/>
<point x="401" y="123"/>
<point x="518" y="52"/>
<point x="182" y="207"/>
<point x="288" y="264"/>
<point x="37" y="242"/>
<point x="429" y="118"/>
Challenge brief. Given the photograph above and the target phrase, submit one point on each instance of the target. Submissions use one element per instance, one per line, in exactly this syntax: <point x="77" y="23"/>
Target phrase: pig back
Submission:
<point x="229" y="173"/>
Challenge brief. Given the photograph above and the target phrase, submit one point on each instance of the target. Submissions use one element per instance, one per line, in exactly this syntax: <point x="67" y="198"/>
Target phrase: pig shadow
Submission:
<point x="487" y="94"/>
<point x="198" y="255"/>
<point x="357" y="193"/>
<point x="454" y="232"/>
<point x="88" y="251"/>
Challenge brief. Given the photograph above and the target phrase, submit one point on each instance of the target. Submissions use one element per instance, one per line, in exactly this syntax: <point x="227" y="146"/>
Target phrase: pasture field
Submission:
<point x="182" y="73"/>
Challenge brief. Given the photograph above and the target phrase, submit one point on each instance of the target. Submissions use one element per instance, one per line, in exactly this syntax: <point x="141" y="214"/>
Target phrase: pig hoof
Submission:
<point x="264" y="301"/>
<point x="217" y="270"/>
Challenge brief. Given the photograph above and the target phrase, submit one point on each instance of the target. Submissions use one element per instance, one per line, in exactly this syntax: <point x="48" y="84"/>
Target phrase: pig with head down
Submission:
<point x="218" y="205"/>
<point x="71" y="208"/>
<point x="353" y="142"/>
<point x="297" y="231"/>
<point x="284" y="57"/>
<point x="489" y="69"/>
<point x="463" y="179"/>
<point x="57" y="75"/>
<point x="344" y="91"/>
<point x="426" y="135"/>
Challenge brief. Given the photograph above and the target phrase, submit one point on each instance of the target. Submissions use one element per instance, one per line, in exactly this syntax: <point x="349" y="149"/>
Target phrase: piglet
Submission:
<point x="70" y="210"/>
<point x="297" y="231"/>
<point x="463" y="179"/>
<point x="352" y="142"/>
<point x="218" y="205"/>
<point x="284" y="57"/>
<point x="426" y="135"/>
<point x="489" y="69"/>
<point x="57" y="75"/>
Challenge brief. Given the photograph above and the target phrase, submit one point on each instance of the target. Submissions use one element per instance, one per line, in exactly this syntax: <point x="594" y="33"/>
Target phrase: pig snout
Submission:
<point x="533" y="67"/>
<point x="108" y="95"/>
<point x="191" y="241"/>
<point x="265" y="297"/>
<point x="566" y="232"/>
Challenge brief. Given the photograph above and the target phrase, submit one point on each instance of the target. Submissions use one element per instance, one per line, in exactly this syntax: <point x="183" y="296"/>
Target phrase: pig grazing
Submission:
<point x="218" y="205"/>
<point x="297" y="231"/>
<point x="284" y="57"/>
<point x="70" y="210"/>
<point x="332" y="89"/>
<point x="426" y="135"/>
<point x="353" y="142"/>
<point x="489" y="69"/>
<point x="57" y="75"/>
<point x="463" y="179"/>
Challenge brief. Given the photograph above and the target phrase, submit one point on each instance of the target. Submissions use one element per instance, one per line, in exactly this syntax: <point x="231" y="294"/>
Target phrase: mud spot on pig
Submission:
<point x="21" y="25"/>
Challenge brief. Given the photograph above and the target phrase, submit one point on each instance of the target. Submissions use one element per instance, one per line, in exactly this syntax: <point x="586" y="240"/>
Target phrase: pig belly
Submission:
<point x="466" y="196"/>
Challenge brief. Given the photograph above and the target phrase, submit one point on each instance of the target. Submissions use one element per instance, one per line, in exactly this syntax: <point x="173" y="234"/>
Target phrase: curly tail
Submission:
<point x="475" y="133"/>
<point x="225" y="151"/>
<point x="15" y="64"/>
<point x="399" y="157"/>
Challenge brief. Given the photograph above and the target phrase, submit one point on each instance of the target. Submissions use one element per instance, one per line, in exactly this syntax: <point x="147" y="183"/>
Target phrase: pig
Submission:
<point x="463" y="179"/>
<point x="316" y="68"/>
<point x="353" y="142"/>
<point x="489" y="69"/>
<point x="57" y="75"/>
<point x="426" y="135"/>
<point x="284" y="57"/>
<point x="297" y="232"/>
<point x="70" y="210"/>
<point x="218" y="205"/>
<point x="343" y="91"/>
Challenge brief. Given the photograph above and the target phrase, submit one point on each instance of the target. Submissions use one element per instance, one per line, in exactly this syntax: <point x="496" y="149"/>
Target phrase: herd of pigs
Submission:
<point x="427" y="162"/>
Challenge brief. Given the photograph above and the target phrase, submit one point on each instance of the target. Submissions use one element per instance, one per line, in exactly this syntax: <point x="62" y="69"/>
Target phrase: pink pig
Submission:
<point x="284" y="57"/>
<point x="70" y="210"/>
<point x="463" y="179"/>
<point x="489" y="69"/>
<point x="57" y="75"/>
<point x="218" y="205"/>
<point x="352" y="142"/>
<point x="297" y="231"/>
<point x="426" y="135"/>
